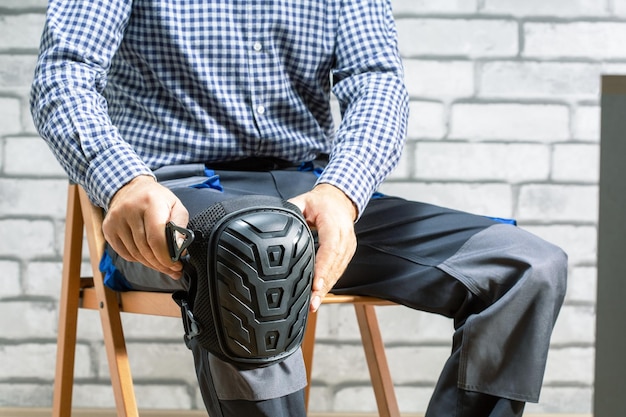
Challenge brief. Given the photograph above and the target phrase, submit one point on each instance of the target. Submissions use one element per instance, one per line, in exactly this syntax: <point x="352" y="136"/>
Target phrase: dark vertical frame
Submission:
<point x="610" y="371"/>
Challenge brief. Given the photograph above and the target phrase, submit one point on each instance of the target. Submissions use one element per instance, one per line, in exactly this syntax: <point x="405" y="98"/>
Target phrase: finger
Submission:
<point x="119" y="236"/>
<point x="156" y="238"/>
<point x="129" y="240"/>
<point x="331" y="261"/>
<point x="140" y="247"/>
<point x="120" y="248"/>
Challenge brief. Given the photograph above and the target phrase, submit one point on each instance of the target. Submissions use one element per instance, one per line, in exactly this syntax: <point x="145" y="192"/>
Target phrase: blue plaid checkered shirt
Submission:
<point x="123" y="87"/>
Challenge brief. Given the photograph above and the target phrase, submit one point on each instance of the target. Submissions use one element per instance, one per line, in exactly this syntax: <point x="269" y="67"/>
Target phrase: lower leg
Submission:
<point x="273" y="391"/>
<point x="451" y="401"/>
<point x="290" y="405"/>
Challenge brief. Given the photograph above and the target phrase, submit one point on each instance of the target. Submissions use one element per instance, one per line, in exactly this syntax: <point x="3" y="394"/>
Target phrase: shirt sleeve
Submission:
<point x="78" y="42"/>
<point x="368" y="83"/>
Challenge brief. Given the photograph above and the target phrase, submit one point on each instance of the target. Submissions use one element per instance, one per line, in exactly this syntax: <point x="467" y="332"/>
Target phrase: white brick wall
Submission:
<point x="504" y="121"/>
<point x="589" y="40"/>
<point x="509" y="122"/>
<point x="453" y="37"/>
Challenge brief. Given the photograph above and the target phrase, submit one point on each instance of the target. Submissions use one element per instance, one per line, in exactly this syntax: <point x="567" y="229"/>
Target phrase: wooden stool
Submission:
<point x="91" y="293"/>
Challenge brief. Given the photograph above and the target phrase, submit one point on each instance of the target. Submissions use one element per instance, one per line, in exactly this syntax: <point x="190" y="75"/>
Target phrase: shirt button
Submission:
<point x="257" y="46"/>
<point x="260" y="109"/>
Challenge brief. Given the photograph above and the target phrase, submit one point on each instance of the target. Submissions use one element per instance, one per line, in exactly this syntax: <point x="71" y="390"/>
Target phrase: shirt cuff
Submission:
<point x="352" y="177"/>
<point x="110" y="170"/>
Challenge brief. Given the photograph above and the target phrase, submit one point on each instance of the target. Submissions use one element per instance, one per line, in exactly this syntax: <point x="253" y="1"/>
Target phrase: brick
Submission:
<point x="24" y="4"/>
<point x="326" y="323"/>
<point x="550" y="203"/>
<point x="35" y="197"/>
<point x="590" y="40"/>
<point x="403" y="169"/>
<point x="400" y="324"/>
<point x="30" y="238"/>
<point x="355" y="399"/>
<point x="527" y="122"/>
<point x="485" y="199"/>
<point x="579" y="242"/>
<point x="360" y="399"/>
<point x="409" y="7"/>
<point x="427" y="120"/>
<point x="413" y="399"/>
<point x="338" y="324"/>
<point x="28" y="360"/>
<point x="28" y="126"/>
<point x="582" y="284"/>
<point x="416" y="364"/>
<point x="11" y="286"/>
<point x="89" y="328"/>
<point x="29" y="394"/>
<point x="156" y="361"/>
<point x="21" y="31"/>
<point x="614" y="68"/>
<point x="482" y="162"/>
<point x="91" y="395"/>
<point x="575" y="326"/>
<point x="43" y="278"/>
<point x="139" y="327"/>
<point x="10" y="108"/>
<point x="320" y="399"/>
<point x="518" y="79"/>
<point x="16" y="71"/>
<point x="30" y="157"/>
<point x="343" y="325"/>
<point x="457" y="37"/>
<point x="438" y="79"/>
<point x="340" y="364"/>
<point x="564" y="399"/>
<point x="576" y="162"/>
<point x="559" y="8"/>
<point x="586" y="123"/>
<point x="573" y="365"/>
<point x="164" y="396"/>
<point x="38" y="360"/>
<point x="28" y="319"/>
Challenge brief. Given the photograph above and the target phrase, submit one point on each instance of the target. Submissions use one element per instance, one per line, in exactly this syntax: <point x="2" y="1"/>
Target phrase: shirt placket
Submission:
<point x="259" y="64"/>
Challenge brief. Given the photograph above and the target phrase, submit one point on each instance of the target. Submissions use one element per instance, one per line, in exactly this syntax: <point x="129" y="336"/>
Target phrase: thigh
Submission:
<point x="401" y="247"/>
<point x="199" y="188"/>
<point x="278" y="183"/>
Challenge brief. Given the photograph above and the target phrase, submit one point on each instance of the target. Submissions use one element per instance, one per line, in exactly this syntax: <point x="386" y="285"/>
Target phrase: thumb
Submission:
<point x="179" y="214"/>
<point x="298" y="201"/>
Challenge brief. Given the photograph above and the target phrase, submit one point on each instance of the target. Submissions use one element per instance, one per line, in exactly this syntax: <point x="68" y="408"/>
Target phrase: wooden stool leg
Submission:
<point x="377" y="361"/>
<point x="117" y="356"/>
<point x="308" y="345"/>
<point x="115" y="345"/>
<point x="68" y="308"/>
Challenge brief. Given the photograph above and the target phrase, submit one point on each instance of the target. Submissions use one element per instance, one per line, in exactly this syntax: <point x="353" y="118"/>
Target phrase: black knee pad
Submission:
<point x="250" y="266"/>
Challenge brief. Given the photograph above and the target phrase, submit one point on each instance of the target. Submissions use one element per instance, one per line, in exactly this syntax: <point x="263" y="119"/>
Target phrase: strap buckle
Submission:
<point x="191" y="325"/>
<point x="178" y="240"/>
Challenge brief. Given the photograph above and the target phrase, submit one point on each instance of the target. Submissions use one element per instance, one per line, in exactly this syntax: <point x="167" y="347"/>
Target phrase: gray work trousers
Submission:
<point x="502" y="286"/>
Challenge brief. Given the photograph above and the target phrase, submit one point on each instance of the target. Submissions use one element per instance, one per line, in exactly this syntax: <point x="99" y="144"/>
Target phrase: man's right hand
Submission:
<point x="135" y="223"/>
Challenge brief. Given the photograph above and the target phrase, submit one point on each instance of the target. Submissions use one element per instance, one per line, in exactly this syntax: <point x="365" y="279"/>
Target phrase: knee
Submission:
<point x="550" y="272"/>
